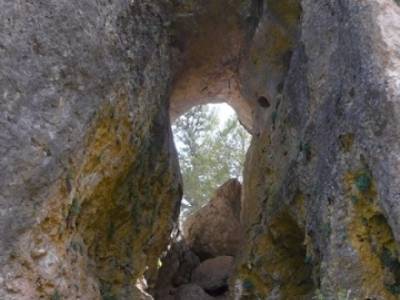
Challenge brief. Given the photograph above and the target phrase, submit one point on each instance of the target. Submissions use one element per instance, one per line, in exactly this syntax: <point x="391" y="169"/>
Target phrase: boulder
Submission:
<point x="176" y="270"/>
<point x="212" y="274"/>
<point x="192" y="292"/>
<point x="215" y="229"/>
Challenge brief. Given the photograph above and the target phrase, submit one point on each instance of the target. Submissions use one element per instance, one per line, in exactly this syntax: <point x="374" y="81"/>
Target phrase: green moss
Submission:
<point x="308" y="260"/>
<point x="354" y="199"/>
<point x="105" y="291"/>
<point x="326" y="229"/>
<point x="274" y="116"/>
<point x="393" y="288"/>
<point x="75" y="207"/>
<point x="74" y="211"/>
<point x="247" y="284"/>
<point x="111" y="230"/>
<point x="75" y="246"/>
<point x="391" y="263"/>
<point x="346" y="141"/>
<point x="363" y="182"/>
<point x="341" y="295"/>
<point x="56" y="295"/>
<point x="306" y="149"/>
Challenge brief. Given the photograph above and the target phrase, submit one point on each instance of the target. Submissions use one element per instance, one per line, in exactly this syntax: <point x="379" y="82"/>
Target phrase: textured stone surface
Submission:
<point x="192" y="292"/>
<point x="320" y="205"/>
<point x="212" y="274"/>
<point x="215" y="229"/>
<point x="89" y="185"/>
<point x="210" y="36"/>
<point x="176" y="270"/>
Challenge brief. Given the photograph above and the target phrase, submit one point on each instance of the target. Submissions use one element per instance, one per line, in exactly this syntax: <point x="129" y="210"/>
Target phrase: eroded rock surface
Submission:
<point x="215" y="230"/>
<point x="320" y="205"/>
<point x="212" y="274"/>
<point x="201" y="261"/>
<point x="192" y="292"/>
<point x="176" y="270"/>
<point x="89" y="182"/>
<point x="210" y="36"/>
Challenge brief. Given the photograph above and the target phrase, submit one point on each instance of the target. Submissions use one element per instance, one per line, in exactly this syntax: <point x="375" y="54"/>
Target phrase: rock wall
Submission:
<point x="209" y="37"/>
<point x="89" y="181"/>
<point x="320" y="202"/>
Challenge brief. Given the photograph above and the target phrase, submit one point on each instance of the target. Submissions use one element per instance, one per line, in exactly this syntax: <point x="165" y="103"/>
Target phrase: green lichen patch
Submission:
<point x="274" y="117"/>
<point x="326" y="229"/>
<point x="363" y="182"/>
<point x="56" y="295"/>
<point x="346" y="141"/>
<point x="305" y="148"/>
<point x="247" y="284"/>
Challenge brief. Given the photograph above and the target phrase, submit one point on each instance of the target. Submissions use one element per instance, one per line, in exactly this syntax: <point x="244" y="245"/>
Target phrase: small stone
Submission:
<point x="38" y="253"/>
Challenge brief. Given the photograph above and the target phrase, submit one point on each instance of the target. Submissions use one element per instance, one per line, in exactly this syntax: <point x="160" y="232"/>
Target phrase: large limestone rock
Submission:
<point x="89" y="183"/>
<point x="192" y="292"/>
<point x="176" y="270"/>
<point x="212" y="274"/>
<point x="321" y="186"/>
<point x="215" y="229"/>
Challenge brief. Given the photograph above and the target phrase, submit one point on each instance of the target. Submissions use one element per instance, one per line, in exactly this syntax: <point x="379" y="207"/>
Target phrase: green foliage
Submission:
<point x="363" y="182"/>
<point x="209" y="153"/>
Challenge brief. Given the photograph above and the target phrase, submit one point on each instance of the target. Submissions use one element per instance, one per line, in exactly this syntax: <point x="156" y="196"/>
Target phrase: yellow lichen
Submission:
<point x="278" y="258"/>
<point x="371" y="237"/>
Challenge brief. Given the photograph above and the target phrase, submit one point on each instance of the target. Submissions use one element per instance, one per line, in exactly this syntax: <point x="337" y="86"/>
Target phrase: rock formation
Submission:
<point x="320" y="205"/>
<point x="200" y="262"/>
<point x="212" y="274"/>
<point x="215" y="229"/>
<point x="89" y="180"/>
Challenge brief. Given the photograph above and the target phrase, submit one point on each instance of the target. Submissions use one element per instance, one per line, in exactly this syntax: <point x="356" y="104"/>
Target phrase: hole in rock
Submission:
<point x="211" y="145"/>
<point x="263" y="102"/>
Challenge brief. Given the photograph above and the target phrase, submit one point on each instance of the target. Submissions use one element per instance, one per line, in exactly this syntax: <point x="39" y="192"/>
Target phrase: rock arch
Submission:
<point x="85" y="87"/>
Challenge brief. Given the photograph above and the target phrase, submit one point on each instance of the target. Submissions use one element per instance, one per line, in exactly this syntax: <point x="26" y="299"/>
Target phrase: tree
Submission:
<point x="209" y="153"/>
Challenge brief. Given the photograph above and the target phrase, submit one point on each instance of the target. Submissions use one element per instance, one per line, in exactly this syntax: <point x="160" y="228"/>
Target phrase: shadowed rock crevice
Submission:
<point x="280" y="257"/>
<point x="201" y="261"/>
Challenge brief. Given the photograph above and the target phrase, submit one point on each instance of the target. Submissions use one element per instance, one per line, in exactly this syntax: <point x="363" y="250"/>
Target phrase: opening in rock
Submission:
<point x="263" y="102"/>
<point x="212" y="146"/>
